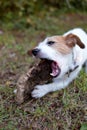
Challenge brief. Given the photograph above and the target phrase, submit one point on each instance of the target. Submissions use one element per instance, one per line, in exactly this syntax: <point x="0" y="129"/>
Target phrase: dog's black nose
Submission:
<point x="35" y="51"/>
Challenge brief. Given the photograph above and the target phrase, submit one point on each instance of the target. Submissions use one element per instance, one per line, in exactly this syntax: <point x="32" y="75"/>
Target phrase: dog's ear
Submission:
<point x="72" y="40"/>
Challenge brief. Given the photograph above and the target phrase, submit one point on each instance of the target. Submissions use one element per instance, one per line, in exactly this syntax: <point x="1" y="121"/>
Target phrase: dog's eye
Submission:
<point x="50" y="42"/>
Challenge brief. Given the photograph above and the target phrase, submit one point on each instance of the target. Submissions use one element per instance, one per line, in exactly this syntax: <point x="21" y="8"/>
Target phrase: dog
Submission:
<point x="68" y="54"/>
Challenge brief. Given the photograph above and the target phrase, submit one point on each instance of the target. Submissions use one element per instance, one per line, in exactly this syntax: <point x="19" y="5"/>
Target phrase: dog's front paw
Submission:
<point x="39" y="91"/>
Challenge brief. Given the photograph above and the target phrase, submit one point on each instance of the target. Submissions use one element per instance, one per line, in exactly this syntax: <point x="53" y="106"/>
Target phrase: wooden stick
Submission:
<point x="37" y="74"/>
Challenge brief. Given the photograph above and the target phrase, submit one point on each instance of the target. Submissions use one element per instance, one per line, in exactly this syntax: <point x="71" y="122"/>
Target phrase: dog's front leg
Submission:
<point x="41" y="90"/>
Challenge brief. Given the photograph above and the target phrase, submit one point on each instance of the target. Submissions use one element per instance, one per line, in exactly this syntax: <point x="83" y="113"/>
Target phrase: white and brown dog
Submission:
<point x="68" y="53"/>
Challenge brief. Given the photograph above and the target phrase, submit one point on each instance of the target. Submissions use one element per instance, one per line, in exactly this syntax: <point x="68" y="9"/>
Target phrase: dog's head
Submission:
<point x="58" y="49"/>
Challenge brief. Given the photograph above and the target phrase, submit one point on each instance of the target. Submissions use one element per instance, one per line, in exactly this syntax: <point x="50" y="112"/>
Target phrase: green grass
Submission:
<point x="63" y="110"/>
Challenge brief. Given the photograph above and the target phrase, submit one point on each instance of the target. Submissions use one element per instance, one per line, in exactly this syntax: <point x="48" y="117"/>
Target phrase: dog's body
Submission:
<point x="68" y="53"/>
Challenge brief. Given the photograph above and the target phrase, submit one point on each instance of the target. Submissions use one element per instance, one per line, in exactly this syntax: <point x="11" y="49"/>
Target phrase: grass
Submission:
<point x="61" y="110"/>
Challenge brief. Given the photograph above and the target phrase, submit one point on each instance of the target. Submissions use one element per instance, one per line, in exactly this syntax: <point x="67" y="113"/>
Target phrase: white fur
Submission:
<point x="65" y="62"/>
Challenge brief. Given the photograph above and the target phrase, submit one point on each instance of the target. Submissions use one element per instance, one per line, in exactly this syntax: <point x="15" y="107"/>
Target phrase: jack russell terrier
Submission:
<point x="68" y="53"/>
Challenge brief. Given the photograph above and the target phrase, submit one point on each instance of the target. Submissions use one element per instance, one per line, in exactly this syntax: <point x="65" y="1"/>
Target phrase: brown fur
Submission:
<point x="64" y="44"/>
<point x="60" y="44"/>
<point x="72" y="40"/>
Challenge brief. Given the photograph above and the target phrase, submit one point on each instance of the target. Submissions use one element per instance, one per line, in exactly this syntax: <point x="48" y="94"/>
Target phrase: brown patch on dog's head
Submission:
<point x="64" y="44"/>
<point x="72" y="40"/>
<point x="59" y="44"/>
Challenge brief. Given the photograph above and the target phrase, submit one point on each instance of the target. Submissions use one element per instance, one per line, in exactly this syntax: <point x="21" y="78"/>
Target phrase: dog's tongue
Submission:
<point x="55" y="69"/>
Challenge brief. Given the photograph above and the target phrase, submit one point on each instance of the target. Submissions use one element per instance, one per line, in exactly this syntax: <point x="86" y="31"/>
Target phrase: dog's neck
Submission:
<point x="71" y="70"/>
<point x="74" y="64"/>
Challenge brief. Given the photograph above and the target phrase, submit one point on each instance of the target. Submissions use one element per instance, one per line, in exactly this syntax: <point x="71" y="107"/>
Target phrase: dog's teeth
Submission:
<point x="51" y="74"/>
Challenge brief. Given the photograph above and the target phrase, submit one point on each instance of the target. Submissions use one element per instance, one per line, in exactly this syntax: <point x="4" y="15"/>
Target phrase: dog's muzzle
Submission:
<point x="54" y="65"/>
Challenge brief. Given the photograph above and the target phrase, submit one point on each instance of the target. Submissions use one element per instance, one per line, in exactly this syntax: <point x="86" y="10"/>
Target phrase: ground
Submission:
<point x="61" y="110"/>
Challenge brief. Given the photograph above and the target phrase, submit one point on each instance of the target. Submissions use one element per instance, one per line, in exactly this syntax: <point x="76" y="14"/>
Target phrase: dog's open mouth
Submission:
<point x="55" y="69"/>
